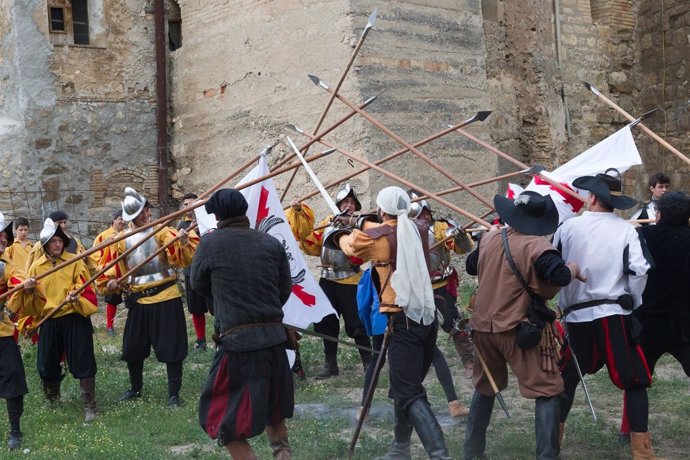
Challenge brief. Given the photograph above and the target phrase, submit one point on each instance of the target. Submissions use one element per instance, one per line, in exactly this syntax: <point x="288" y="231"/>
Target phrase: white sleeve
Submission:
<point x="637" y="267"/>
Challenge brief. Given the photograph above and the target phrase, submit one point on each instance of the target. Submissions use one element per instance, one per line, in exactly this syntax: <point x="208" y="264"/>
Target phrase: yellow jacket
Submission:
<point x="97" y="256"/>
<point x="20" y="302"/>
<point x="177" y="255"/>
<point x="57" y="285"/>
<point x="310" y="240"/>
<point x="440" y="228"/>
<point x="37" y="252"/>
<point x="19" y="254"/>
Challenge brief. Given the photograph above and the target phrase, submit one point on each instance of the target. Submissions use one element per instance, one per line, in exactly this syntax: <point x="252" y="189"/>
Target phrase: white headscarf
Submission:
<point x="410" y="281"/>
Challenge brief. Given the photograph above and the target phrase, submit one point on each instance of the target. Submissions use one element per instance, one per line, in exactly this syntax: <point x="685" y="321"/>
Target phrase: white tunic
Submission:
<point x="596" y="241"/>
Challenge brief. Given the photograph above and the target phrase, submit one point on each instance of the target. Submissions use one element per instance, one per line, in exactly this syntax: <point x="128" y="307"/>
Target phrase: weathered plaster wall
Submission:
<point x="86" y="114"/>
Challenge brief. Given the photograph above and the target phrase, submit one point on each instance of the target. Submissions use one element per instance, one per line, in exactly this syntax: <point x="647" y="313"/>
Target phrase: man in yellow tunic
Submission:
<point x="12" y="377"/>
<point x="156" y="315"/>
<point x="69" y="332"/>
<point x="111" y="300"/>
<point x="339" y="277"/>
<point x="20" y="249"/>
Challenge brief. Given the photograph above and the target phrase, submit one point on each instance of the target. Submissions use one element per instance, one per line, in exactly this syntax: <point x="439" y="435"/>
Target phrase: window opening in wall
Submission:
<point x="57" y="20"/>
<point x="174" y="35"/>
<point x="80" y="22"/>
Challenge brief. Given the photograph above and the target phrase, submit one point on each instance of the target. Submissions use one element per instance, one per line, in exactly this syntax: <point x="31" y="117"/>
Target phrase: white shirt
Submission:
<point x="596" y="241"/>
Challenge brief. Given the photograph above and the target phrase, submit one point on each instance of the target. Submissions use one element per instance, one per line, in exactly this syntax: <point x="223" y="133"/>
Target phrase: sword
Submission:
<point x="312" y="175"/>
<point x="332" y="339"/>
<point x="579" y="371"/>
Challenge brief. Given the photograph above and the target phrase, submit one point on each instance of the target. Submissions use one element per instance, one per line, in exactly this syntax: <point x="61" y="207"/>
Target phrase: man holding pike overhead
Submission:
<point x="156" y="315"/>
<point x="339" y="277"/>
<point x="12" y="377"/>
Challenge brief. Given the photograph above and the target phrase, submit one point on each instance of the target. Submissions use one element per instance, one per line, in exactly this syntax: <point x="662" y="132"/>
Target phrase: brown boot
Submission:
<point x="88" y="396"/>
<point x="330" y="368"/>
<point x="458" y="409"/>
<point x="51" y="390"/>
<point x="278" y="440"/>
<point x="641" y="446"/>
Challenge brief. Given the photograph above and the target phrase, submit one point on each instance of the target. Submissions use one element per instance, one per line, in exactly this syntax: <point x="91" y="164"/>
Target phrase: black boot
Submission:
<point x="400" y="449"/>
<point x="428" y="430"/>
<point x="88" y="396"/>
<point x="51" y="390"/>
<point x="136" y="380"/>
<point x="330" y="368"/>
<point x="174" y="384"/>
<point x="546" y="426"/>
<point x="15" y="408"/>
<point x="477" y="424"/>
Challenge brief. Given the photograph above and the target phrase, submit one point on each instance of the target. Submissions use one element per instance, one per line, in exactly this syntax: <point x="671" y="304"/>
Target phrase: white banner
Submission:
<point x="616" y="151"/>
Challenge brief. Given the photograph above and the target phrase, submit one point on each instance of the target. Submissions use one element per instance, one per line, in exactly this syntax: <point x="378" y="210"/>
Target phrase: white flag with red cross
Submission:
<point x="307" y="303"/>
<point x="616" y="151"/>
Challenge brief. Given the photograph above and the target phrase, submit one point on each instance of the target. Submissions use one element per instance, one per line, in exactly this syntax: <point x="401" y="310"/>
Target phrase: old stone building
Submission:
<point x="78" y="106"/>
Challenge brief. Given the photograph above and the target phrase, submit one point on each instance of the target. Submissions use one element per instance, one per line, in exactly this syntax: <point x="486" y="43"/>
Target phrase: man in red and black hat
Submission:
<point x="500" y="315"/>
<point x="597" y="314"/>
<point x="339" y="277"/>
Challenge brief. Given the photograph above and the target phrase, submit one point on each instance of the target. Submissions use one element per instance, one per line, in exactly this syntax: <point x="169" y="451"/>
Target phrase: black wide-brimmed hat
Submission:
<point x="606" y="187"/>
<point x="529" y="213"/>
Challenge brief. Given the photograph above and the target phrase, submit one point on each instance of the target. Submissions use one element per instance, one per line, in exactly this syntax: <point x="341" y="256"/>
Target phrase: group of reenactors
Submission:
<point x="620" y="288"/>
<point x="56" y="298"/>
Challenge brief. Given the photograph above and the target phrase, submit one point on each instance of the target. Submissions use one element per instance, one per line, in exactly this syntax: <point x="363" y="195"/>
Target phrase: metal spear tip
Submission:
<point x="644" y="116"/>
<point x="533" y="170"/>
<point x="317" y="81"/>
<point x="372" y="19"/>
<point x="267" y="150"/>
<point x="293" y="128"/>
<point x="370" y="100"/>
<point x="483" y="115"/>
<point x="328" y="152"/>
<point x="591" y="88"/>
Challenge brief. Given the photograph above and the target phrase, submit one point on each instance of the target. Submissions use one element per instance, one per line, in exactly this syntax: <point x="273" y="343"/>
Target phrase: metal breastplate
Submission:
<point x="439" y="259"/>
<point x="3" y="284"/>
<point x="155" y="270"/>
<point x="335" y="265"/>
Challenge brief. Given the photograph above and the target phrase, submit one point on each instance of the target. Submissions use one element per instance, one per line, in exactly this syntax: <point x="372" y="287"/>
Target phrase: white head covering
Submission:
<point x="410" y="281"/>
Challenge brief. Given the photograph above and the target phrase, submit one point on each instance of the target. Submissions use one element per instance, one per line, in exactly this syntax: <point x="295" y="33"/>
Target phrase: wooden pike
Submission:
<point x="162" y="220"/>
<point x="649" y="132"/>
<point x="323" y="133"/>
<point x="521" y="165"/>
<point x="105" y="268"/>
<point x="317" y="81"/>
<point x="479" y="116"/>
<point x="370" y="24"/>
<point x="399" y="179"/>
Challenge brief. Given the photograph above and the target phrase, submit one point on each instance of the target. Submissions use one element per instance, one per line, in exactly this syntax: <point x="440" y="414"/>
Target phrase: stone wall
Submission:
<point x="233" y="92"/>
<point x="661" y="82"/>
<point x="83" y="116"/>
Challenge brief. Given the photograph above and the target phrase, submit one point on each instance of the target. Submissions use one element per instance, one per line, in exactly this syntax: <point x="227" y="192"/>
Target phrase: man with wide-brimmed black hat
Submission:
<point x="597" y="313"/>
<point x="500" y="314"/>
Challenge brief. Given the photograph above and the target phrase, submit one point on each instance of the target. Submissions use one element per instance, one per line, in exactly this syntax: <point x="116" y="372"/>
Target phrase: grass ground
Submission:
<point x="325" y="414"/>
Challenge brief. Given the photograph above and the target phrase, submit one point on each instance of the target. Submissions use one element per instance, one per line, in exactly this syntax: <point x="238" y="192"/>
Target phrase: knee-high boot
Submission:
<point x="546" y="426"/>
<point x="88" y="396"/>
<point x="400" y="449"/>
<point x="428" y="430"/>
<point x="477" y="424"/>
